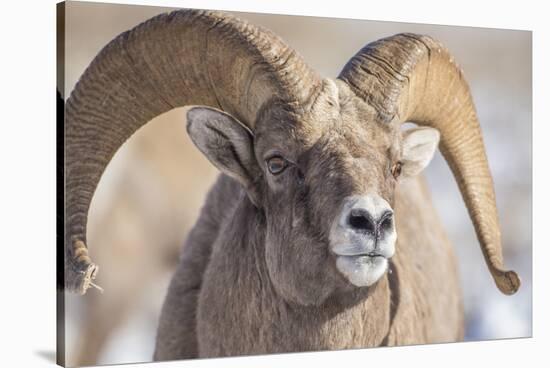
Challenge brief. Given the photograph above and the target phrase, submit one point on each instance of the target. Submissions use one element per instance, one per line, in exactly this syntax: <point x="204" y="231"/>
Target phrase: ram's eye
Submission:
<point x="276" y="165"/>
<point x="396" y="169"/>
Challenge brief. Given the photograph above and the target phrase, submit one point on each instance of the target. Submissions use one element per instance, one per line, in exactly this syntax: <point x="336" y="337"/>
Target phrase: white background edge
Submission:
<point x="27" y="195"/>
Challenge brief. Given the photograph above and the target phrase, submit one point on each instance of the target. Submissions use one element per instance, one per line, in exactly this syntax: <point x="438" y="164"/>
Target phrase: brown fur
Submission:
<point x="260" y="278"/>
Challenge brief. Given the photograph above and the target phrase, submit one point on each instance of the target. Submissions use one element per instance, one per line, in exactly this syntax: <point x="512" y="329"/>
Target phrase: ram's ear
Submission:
<point x="418" y="149"/>
<point x="225" y="142"/>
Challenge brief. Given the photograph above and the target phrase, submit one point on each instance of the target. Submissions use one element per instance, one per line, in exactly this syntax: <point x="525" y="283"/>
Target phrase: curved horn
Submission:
<point x="409" y="77"/>
<point x="187" y="57"/>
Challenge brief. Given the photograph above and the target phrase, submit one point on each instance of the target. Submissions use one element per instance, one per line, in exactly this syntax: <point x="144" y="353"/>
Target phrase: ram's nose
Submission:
<point x="364" y="226"/>
<point x="361" y="220"/>
<point x="363" y="238"/>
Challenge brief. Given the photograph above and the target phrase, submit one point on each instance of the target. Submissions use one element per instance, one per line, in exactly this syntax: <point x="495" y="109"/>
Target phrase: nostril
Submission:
<point x="386" y="220"/>
<point x="359" y="219"/>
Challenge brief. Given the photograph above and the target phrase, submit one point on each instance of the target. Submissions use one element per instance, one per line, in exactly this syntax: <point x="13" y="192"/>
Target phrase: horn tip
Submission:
<point x="87" y="279"/>
<point x="81" y="271"/>
<point x="508" y="282"/>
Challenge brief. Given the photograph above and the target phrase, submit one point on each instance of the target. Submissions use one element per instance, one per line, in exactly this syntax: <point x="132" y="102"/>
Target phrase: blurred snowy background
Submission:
<point x="152" y="191"/>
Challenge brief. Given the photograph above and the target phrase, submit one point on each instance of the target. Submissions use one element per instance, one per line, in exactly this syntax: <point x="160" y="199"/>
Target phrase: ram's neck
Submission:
<point x="237" y="279"/>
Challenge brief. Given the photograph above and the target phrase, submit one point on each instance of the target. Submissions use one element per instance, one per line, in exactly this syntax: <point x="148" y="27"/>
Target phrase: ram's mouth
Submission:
<point x="362" y="269"/>
<point x="359" y="255"/>
<point x="357" y="252"/>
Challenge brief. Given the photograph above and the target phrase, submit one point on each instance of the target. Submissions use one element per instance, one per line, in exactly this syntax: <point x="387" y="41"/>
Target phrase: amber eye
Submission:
<point x="396" y="169"/>
<point x="276" y="165"/>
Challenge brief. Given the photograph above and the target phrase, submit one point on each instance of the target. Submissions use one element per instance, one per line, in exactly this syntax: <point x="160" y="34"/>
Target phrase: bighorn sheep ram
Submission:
<point x="319" y="233"/>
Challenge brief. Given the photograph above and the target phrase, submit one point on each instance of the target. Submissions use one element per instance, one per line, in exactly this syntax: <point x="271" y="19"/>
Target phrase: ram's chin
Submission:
<point x="362" y="270"/>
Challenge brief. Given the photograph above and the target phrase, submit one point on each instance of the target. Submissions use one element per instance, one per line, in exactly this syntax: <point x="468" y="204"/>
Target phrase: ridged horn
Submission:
<point x="413" y="78"/>
<point x="187" y="57"/>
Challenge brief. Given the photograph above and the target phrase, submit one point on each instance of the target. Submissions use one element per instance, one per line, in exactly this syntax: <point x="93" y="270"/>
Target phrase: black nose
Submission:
<point x="360" y="220"/>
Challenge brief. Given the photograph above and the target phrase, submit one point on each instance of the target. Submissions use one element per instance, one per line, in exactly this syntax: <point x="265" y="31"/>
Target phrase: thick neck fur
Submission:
<point x="237" y="279"/>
